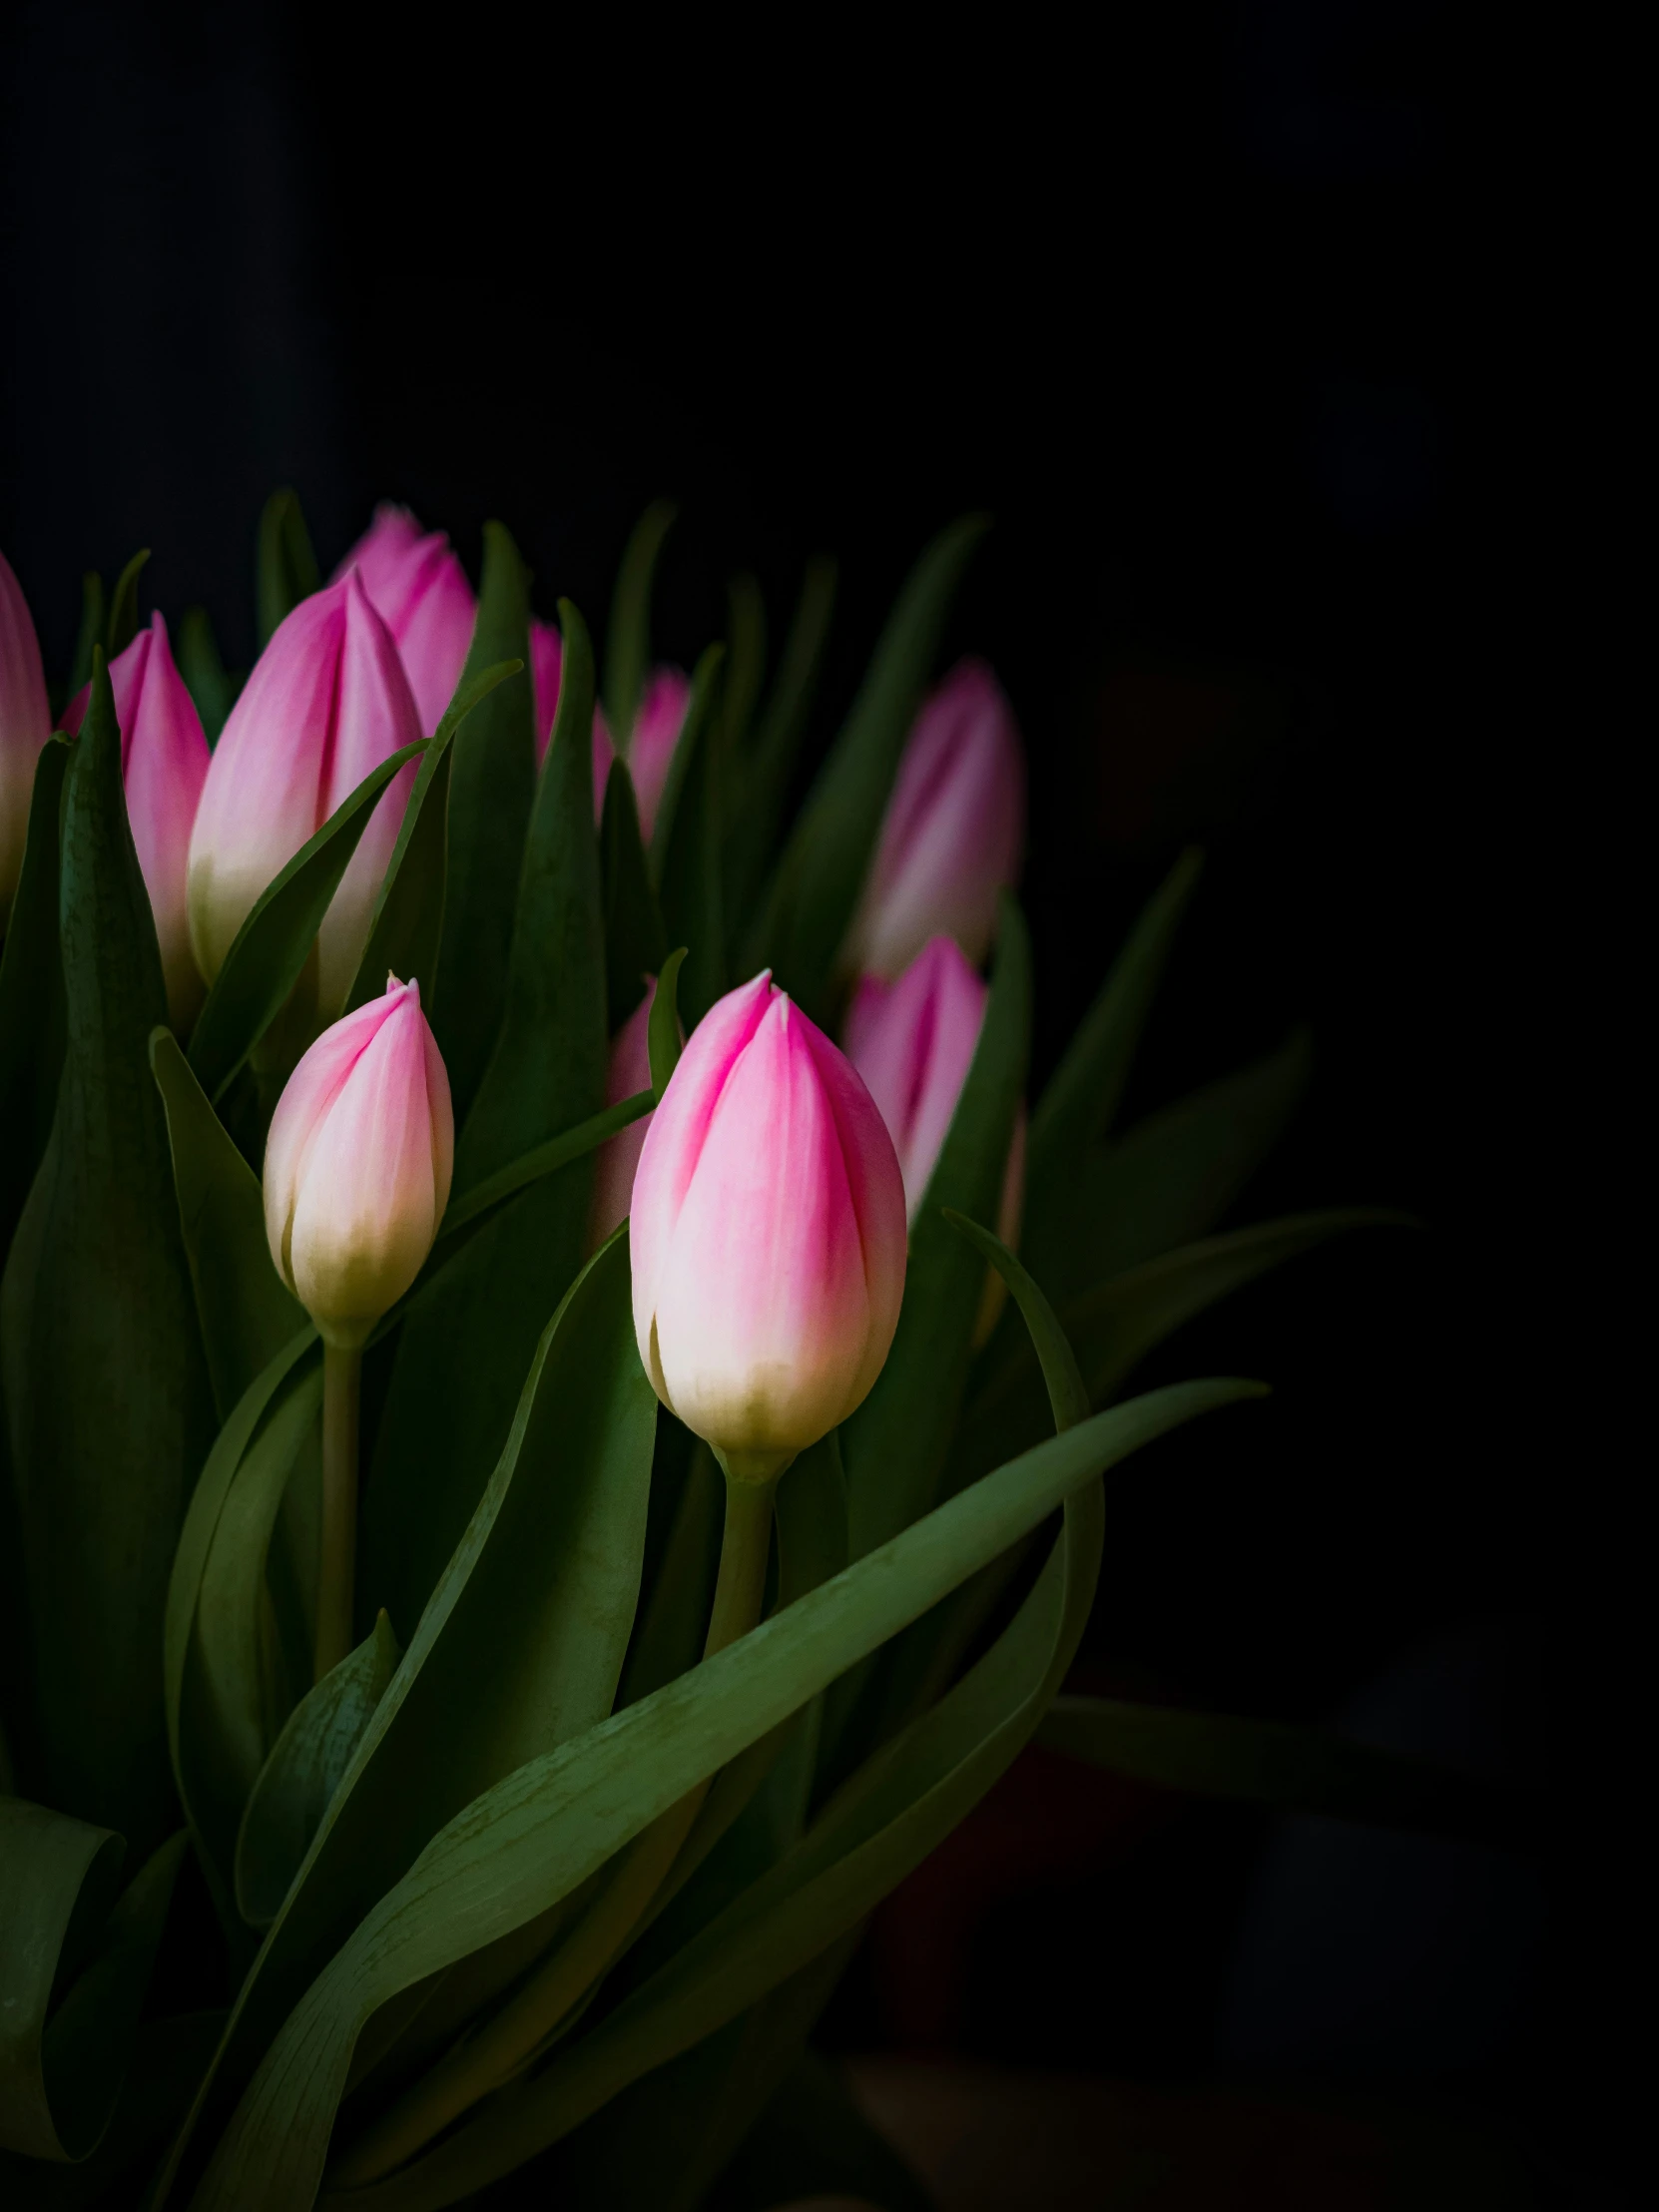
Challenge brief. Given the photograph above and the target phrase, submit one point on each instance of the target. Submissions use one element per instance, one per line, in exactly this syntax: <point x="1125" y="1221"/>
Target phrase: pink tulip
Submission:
<point x="914" y="1043"/>
<point x="953" y="830"/>
<point x="358" y="1164"/>
<point x="164" y="764"/>
<point x="327" y="702"/>
<point x="25" y="726"/>
<point x="630" y="1072"/>
<point x="768" y="1232"/>
<point x="657" y="727"/>
<point x="545" y="657"/>
<point x="419" y="590"/>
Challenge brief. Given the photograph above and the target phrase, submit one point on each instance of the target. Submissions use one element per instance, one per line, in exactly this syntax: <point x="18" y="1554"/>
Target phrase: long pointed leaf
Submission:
<point x="628" y="640"/>
<point x="31" y="996"/>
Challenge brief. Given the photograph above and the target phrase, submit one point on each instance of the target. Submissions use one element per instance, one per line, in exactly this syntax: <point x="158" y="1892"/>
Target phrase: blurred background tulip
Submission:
<point x="419" y="589"/>
<point x="768" y="1227"/>
<point x="25" y="726"/>
<point x="954" y="832"/>
<point x="164" y="764"/>
<point x="913" y="1042"/>
<point x="358" y="1164"/>
<point x="615" y="1164"/>
<point x="327" y="702"/>
<point x="656" y="727"/>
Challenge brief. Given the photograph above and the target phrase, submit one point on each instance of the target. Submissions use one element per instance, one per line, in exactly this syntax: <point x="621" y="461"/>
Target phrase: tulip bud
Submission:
<point x="25" y="726"/>
<point x="546" y="655"/>
<point x="619" y="1157"/>
<point x="327" y="702"/>
<point x="164" y="764"/>
<point x="768" y="1231"/>
<point x="419" y="590"/>
<point x="953" y="829"/>
<point x="914" y="1043"/>
<point x="358" y="1164"/>
<point x="657" y="729"/>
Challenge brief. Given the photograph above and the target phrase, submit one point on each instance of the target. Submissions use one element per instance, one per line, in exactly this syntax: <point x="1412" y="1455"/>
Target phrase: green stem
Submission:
<point x="495" y="2050"/>
<point x="341" y="1374"/>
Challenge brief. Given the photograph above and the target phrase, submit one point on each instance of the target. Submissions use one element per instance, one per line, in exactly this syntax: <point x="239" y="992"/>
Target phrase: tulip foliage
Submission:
<point x="473" y="1660"/>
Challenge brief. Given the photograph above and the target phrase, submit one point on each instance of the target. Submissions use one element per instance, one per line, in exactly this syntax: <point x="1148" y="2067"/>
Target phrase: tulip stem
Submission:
<point x="498" y="2048"/>
<point x="341" y="1376"/>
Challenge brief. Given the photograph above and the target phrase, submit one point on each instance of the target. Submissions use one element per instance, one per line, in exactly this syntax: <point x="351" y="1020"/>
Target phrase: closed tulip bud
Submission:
<point x="657" y="727"/>
<point x="914" y="1043"/>
<point x="768" y="1232"/>
<point x="164" y="764"/>
<point x="419" y="590"/>
<point x="357" y="1165"/>
<point x="327" y="702"/>
<point x="546" y="655"/>
<point x="619" y="1157"/>
<point x="953" y="830"/>
<point x="25" y="726"/>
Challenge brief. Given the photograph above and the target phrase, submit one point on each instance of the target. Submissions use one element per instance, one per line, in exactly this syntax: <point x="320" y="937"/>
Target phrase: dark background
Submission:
<point x="1202" y="311"/>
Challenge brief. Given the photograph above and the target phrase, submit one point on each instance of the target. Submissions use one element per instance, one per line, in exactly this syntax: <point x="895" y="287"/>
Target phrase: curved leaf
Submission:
<point x="816" y="886"/>
<point x="297" y="1783"/>
<point x="407" y="924"/>
<point x="634" y="943"/>
<point x="212" y="687"/>
<point x="628" y="640"/>
<point x="664" y="1027"/>
<point x="686" y="846"/>
<point x="106" y="1389"/>
<point x="492" y="782"/>
<point x="124" y="621"/>
<point x="91" y="633"/>
<point x="537" y="1600"/>
<point x="246" y="1311"/>
<point x="767" y="763"/>
<point x="1304" y="1770"/>
<point x="269" y="950"/>
<point x="74" y="1975"/>
<point x="285" y="570"/>
<point x="469" y="1339"/>
<point x="536" y="1834"/>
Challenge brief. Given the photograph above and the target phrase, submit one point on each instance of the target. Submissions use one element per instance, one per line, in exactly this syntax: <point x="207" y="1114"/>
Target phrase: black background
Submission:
<point x="1201" y="309"/>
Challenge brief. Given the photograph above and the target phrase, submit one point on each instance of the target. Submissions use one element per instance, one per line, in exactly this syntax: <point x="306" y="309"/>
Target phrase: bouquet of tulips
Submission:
<point x="527" y="1502"/>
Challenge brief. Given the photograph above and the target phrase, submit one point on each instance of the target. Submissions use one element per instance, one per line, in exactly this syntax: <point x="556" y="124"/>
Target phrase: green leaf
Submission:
<point x="203" y="1790"/>
<point x="663" y="1028"/>
<point x="686" y="847"/>
<point x="536" y="1602"/>
<point x="240" y="1680"/>
<point x="406" y="927"/>
<point x="818" y="879"/>
<point x="124" y="621"/>
<point x="1083" y="1094"/>
<point x="1172" y="1177"/>
<point x="1303" y="1770"/>
<point x="106" y="1389"/>
<point x="57" y="1878"/>
<point x="304" y="1771"/>
<point x="492" y="784"/>
<point x="246" y="1311"/>
<point x="555" y="1819"/>
<point x="1116" y="1324"/>
<point x="168" y="2058"/>
<point x="674" y="1616"/>
<point x="468" y="1341"/>
<point x="768" y="763"/>
<point x="896" y="1443"/>
<point x="31" y="996"/>
<point x="628" y="640"/>
<point x="209" y="681"/>
<point x="91" y="632"/>
<point x="1068" y="1399"/>
<point x="286" y="569"/>
<point x="269" y="950"/>
<point x="746" y="639"/>
<point x="634" y="943"/>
